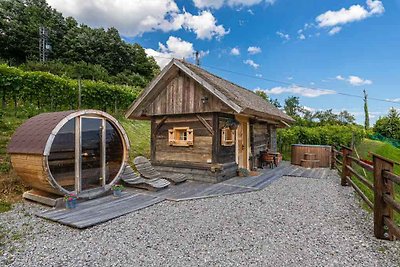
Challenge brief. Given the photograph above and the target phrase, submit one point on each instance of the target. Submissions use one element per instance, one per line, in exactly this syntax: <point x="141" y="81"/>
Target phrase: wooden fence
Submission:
<point x="384" y="203"/>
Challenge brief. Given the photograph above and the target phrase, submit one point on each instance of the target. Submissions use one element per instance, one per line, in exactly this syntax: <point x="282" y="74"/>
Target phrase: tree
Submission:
<point x="262" y="94"/>
<point x="389" y="126"/>
<point x="345" y="117"/>
<point x="292" y="106"/>
<point x="19" y="28"/>
<point x="100" y="49"/>
<point x="327" y="117"/>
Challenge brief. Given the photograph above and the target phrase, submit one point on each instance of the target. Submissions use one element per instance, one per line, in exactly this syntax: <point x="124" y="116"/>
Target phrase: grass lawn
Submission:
<point x="385" y="150"/>
<point x="11" y="186"/>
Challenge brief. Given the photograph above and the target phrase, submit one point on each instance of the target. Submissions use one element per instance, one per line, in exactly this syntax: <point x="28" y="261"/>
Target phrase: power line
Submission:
<point x="288" y="83"/>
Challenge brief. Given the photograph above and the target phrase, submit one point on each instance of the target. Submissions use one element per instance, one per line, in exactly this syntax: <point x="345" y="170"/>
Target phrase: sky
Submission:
<point x="320" y="51"/>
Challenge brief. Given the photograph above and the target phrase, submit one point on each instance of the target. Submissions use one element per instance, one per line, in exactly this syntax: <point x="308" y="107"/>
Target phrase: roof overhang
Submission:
<point x="281" y="121"/>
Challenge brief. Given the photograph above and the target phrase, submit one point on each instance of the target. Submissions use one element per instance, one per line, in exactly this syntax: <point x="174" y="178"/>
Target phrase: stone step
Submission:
<point x="309" y="163"/>
<point x="310" y="156"/>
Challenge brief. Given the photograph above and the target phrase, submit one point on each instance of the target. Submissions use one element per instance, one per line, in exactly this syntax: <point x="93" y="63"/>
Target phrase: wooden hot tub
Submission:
<point x="321" y="155"/>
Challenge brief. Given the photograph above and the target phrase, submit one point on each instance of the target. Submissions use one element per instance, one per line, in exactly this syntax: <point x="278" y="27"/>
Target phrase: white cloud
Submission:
<point x="303" y="91"/>
<point x="352" y="14"/>
<point x="284" y="36"/>
<point x="174" y="48"/>
<point x="375" y="7"/>
<point x="216" y="4"/>
<point x="254" y="50"/>
<point x="259" y="75"/>
<point x="290" y="78"/>
<point x="204" y="25"/>
<point x="357" y="81"/>
<point x="354" y="80"/>
<point x="302" y="36"/>
<point x="393" y="99"/>
<point x="235" y="51"/>
<point x="251" y="63"/>
<point x="208" y="3"/>
<point x="335" y="30"/>
<point x="133" y="18"/>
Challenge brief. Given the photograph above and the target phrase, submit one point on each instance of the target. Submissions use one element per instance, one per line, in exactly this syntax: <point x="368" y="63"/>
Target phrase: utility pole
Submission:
<point x="366" y="124"/>
<point x="79" y="93"/>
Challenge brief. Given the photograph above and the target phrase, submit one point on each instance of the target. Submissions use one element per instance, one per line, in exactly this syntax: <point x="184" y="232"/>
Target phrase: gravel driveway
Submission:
<point x="293" y="222"/>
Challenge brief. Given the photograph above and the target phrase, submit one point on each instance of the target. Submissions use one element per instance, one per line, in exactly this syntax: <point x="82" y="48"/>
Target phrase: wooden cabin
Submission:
<point x="82" y="152"/>
<point x="203" y="125"/>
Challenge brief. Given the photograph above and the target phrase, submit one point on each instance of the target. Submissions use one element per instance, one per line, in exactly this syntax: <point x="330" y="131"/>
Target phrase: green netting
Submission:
<point x="382" y="138"/>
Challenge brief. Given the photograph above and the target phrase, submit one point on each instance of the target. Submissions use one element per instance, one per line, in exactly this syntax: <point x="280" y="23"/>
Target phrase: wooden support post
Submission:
<point x="333" y="156"/>
<point x="346" y="161"/>
<point x="382" y="187"/>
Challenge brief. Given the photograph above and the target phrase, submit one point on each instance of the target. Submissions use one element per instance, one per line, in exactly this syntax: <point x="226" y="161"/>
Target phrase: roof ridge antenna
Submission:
<point x="197" y="57"/>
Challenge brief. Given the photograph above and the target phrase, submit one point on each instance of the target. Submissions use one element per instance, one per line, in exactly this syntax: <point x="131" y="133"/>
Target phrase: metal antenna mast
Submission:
<point x="44" y="45"/>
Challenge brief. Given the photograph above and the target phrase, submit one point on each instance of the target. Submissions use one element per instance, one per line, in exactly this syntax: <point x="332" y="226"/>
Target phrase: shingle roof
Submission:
<point x="31" y="137"/>
<point x="244" y="98"/>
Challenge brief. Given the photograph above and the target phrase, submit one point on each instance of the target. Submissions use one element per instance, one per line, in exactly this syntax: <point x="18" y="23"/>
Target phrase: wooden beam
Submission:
<point x="158" y="126"/>
<point x="206" y="124"/>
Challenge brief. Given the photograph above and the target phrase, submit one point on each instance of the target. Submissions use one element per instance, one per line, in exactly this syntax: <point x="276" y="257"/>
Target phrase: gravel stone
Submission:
<point x="295" y="221"/>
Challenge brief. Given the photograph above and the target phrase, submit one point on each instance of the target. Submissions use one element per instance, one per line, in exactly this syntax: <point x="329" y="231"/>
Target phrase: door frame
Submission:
<point x="78" y="153"/>
<point x="245" y="136"/>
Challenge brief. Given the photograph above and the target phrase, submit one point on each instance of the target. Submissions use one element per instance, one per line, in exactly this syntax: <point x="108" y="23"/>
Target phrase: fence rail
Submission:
<point x="384" y="179"/>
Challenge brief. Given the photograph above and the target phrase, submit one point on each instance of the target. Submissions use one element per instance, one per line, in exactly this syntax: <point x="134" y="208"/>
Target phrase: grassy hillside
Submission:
<point x="11" y="186"/>
<point x="364" y="149"/>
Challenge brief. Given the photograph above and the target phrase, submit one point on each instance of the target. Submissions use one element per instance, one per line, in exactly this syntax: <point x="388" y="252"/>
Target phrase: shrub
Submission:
<point x="45" y="91"/>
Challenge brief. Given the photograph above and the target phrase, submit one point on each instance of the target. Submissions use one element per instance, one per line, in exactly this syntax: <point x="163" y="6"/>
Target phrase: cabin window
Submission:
<point x="227" y="137"/>
<point x="180" y="136"/>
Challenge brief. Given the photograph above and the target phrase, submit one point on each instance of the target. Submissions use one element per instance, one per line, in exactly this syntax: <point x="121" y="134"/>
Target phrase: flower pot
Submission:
<point x="117" y="193"/>
<point x="70" y="204"/>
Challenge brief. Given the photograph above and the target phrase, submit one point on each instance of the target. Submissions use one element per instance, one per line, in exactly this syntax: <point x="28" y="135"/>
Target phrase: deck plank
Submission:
<point x="100" y="210"/>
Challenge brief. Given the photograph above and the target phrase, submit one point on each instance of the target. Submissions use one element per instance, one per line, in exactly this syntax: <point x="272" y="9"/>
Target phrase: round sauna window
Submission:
<point x="114" y="152"/>
<point x="94" y="161"/>
<point x="61" y="159"/>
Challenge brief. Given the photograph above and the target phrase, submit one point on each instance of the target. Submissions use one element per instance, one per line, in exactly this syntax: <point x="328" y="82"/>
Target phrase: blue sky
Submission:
<point x="326" y="47"/>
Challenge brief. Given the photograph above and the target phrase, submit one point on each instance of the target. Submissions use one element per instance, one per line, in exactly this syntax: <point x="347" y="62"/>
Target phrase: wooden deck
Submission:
<point x="100" y="210"/>
<point x="97" y="211"/>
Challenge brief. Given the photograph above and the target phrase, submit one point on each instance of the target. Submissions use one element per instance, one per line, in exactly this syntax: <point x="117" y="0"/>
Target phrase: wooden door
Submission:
<point x="242" y="143"/>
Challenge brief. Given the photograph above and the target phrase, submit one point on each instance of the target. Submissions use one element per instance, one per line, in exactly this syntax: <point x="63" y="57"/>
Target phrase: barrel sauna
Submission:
<point x="81" y="152"/>
<point x="311" y="156"/>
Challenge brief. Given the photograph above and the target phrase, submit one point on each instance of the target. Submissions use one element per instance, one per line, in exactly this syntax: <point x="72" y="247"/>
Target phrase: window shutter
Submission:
<point x="227" y="137"/>
<point x="223" y="137"/>
<point x="190" y="137"/>
<point x="171" y="137"/>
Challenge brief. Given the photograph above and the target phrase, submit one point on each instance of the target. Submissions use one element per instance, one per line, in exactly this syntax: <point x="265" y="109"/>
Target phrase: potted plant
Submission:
<point x="117" y="189"/>
<point x="243" y="172"/>
<point x="70" y="201"/>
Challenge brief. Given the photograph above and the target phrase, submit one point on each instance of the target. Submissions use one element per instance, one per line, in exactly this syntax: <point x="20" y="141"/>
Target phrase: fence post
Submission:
<point x="333" y="156"/>
<point x="346" y="161"/>
<point x="382" y="186"/>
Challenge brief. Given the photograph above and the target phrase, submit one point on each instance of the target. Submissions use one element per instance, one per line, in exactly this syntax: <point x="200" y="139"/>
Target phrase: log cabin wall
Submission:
<point x="184" y="95"/>
<point x="222" y="154"/>
<point x="200" y="152"/>
<point x="260" y="135"/>
<point x="273" y="145"/>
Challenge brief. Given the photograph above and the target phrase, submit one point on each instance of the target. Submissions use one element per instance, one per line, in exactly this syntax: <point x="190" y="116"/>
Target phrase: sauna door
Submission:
<point x="92" y="153"/>
<point x="242" y="157"/>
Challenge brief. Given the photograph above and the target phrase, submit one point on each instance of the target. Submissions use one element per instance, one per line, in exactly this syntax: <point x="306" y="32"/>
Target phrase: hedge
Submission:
<point x="48" y="91"/>
<point x="334" y="135"/>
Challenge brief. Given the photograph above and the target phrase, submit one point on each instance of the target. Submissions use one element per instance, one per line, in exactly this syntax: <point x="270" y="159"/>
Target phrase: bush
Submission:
<point x="45" y="91"/>
<point x="334" y="135"/>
